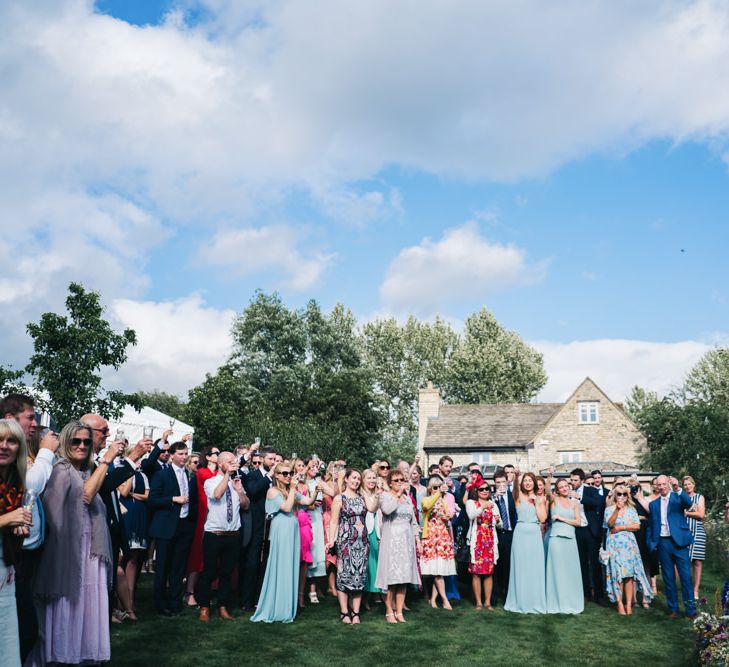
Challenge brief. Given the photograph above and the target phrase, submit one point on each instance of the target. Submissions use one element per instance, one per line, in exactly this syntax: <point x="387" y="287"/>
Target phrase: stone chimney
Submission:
<point x="428" y="406"/>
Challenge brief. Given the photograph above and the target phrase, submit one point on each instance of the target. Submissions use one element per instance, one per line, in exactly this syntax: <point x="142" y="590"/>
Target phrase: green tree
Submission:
<point x="10" y="381"/>
<point x="493" y="365"/>
<point x="638" y="401"/>
<point x="168" y="403"/>
<point x="69" y="353"/>
<point x="708" y="380"/>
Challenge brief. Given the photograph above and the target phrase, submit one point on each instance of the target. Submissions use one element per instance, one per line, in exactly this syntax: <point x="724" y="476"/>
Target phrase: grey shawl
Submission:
<point x="59" y="568"/>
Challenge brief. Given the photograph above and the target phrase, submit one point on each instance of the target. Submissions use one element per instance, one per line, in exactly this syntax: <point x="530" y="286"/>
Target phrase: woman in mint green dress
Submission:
<point x="564" y="585"/>
<point x="526" y="578"/>
<point x="279" y="594"/>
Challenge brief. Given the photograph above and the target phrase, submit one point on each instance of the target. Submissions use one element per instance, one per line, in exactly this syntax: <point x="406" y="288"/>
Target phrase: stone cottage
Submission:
<point x="588" y="430"/>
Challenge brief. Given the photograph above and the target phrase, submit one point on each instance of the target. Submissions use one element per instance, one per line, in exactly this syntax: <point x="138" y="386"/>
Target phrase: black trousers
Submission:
<point x="170" y="565"/>
<point x="223" y="548"/>
<point x="588" y="548"/>
<point x="251" y="571"/>
<point x="27" y="614"/>
<point x="503" y="566"/>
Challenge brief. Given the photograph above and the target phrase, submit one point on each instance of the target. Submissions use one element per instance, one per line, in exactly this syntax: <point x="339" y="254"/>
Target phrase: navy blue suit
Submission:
<point x="588" y="542"/>
<point x="673" y="551"/>
<point x="250" y="566"/>
<point x="174" y="537"/>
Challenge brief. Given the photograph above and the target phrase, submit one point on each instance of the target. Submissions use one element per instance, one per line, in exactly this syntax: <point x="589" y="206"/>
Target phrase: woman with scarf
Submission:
<point x="14" y="523"/>
<point x="74" y="571"/>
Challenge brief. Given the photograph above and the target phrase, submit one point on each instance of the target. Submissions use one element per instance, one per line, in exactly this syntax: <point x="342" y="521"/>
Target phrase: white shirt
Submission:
<point x="217" y="518"/>
<point x="665" y="530"/>
<point x="36" y="479"/>
<point x="583" y="514"/>
<point x="182" y="480"/>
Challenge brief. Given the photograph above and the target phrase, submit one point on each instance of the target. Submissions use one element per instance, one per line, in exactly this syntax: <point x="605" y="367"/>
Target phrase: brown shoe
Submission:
<point x="205" y="614"/>
<point x="223" y="613"/>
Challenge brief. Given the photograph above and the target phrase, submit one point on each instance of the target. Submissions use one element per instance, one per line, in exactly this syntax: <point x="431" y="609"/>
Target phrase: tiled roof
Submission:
<point x="488" y="425"/>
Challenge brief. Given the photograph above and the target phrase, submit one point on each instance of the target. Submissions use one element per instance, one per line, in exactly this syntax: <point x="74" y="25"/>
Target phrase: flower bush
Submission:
<point x="712" y="637"/>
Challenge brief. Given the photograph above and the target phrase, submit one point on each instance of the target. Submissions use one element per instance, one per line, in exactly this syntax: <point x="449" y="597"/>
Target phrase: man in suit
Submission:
<point x="597" y="483"/>
<point x="256" y="484"/>
<point x="159" y="456"/>
<point x="507" y="509"/>
<point x="669" y="532"/>
<point x="588" y="535"/>
<point x="173" y="498"/>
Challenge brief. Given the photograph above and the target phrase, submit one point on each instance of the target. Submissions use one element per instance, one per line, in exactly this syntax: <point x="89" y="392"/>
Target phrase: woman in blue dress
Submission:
<point x="279" y="594"/>
<point x="526" y="578"/>
<point x="625" y="567"/>
<point x="564" y="585"/>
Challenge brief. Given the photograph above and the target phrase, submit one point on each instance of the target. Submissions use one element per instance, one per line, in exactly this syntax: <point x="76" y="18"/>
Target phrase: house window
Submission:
<point x="570" y="457"/>
<point x="482" y="458"/>
<point x="588" y="412"/>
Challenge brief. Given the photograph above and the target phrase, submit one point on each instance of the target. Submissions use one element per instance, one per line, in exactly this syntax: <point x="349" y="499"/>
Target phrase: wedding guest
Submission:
<point x="200" y="474"/>
<point x="597" y="483"/>
<point x="318" y="568"/>
<point x="372" y="495"/>
<point x="483" y="516"/>
<point x="173" y="498"/>
<point x="193" y="462"/>
<point x="277" y="602"/>
<point x="349" y="533"/>
<point x="695" y="516"/>
<point x="14" y="527"/>
<point x="397" y="565"/>
<point x="418" y="491"/>
<point x="221" y="537"/>
<point x="134" y="495"/>
<point x="526" y="582"/>
<point x="544" y="489"/>
<point x="256" y="483"/>
<point x="75" y="566"/>
<point x="669" y="533"/>
<point x="437" y="558"/>
<point x="306" y="535"/>
<point x="333" y="482"/>
<point x="624" y="570"/>
<point x="505" y="531"/>
<point x="564" y="583"/>
<point x="589" y="534"/>
<point x="510" y="471"/>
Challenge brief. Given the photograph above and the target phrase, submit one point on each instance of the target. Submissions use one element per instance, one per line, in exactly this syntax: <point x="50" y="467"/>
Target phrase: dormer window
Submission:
<point x="588" y="412"/>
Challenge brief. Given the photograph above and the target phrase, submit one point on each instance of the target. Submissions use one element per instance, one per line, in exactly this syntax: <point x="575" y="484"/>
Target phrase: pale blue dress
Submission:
<point x="526" y="578"/>
<point x="564" y="583"/>
<point x="318" y="567"/>
<point x="279" y="594"/>
<point x="625" y="560"/>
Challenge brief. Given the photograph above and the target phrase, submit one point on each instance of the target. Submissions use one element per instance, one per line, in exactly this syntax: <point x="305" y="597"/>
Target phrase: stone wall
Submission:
<point x="428" y="406"/>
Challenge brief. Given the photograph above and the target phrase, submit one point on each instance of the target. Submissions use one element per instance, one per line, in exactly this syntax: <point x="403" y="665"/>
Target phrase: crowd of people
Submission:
<point x="83" y="514"/>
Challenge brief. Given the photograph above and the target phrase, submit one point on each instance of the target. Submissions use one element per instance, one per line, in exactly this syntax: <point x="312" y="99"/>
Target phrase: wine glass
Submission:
<point x="119" y="434"/>
<point x="29" y="500"/>
<point x="148" y="432"/>
<point x="172" y="422"/>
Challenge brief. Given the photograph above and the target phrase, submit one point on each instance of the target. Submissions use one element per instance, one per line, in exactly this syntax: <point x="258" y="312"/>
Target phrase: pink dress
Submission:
<point x="306" y="533"/>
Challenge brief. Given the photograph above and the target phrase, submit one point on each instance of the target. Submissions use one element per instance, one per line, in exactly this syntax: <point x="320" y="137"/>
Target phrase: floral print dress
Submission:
<point x="482" y="561"/>
<point x="438" y="556"/>
<point x="625" y="561"/>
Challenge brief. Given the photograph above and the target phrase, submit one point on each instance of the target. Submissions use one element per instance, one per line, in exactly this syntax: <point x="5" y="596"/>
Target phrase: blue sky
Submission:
<point x="177" y="156"/>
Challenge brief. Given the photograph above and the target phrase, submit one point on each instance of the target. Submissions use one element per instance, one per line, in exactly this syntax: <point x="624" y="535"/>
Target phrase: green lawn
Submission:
<point x="597" y="637"/>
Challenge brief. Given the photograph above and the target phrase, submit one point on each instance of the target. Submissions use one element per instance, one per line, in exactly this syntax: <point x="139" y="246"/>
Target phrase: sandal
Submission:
<point x="400" y="618"/>
<point x="345" y="618"/>
<point x="353" y="616"/>
<point x="392" y="616"/>
<point x="313" y="598"/>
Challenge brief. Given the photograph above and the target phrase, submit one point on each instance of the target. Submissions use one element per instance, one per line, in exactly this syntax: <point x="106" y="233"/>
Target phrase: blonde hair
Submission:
<point x="277" y="469"/>
<point x="64" y="439"/>
<point x="10" y="430"/>
<point x="623" y="487"/>
<point x="689" y="478"/>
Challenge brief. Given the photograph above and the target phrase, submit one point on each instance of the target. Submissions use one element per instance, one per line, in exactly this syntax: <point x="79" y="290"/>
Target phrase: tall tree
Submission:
<point x="69" y="353"/>
<point x="168" y="403"/>
<point x="493" y="365"/>
<point x="708" y="380"/>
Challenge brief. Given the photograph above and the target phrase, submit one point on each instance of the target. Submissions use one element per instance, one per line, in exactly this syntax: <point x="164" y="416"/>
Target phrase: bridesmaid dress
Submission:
<point x="526" y="578"/>
<point x="564" y="584"/>
<point x="279" y="594"/>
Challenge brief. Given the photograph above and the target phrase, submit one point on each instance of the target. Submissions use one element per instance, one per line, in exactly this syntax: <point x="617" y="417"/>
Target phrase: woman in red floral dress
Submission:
<point x="483" y="515"/>
<point x="437" y="557"/>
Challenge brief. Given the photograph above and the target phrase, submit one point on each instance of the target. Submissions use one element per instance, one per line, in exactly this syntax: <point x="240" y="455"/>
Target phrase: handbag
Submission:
<point x="463" y="548"/>
<point x="604" y="554"/>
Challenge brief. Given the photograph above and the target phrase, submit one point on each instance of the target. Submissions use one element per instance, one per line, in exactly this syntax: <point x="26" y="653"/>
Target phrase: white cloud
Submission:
<point x="616" y="365"/>
<point x="263" y="249"/>
<point x="460" y="265"/>
<point x="178" y="342"/>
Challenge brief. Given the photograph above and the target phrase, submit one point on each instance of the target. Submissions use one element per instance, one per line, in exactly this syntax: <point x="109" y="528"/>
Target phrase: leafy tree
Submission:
<point x="69" y="353"/>
<point x="168" y="403"/>
<point x="493" y="365"/>
<point x="638" y="401"/>
<point x="708" y="380"/>
<point x="10" y="381"/>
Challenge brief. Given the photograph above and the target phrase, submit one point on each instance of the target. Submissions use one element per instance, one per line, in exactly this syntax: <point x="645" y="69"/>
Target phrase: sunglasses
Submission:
<point x="77" y="442"/>
<point x="397" y="481"/>
<point x="483" y="489"/>
<point x="621" y="494"/>
<point x="105" y="431"/>
<point x="214" y="453"/>
<point x="285" y="473"/>
<point x="255" y="463"/>
<point x="384" y="467"/>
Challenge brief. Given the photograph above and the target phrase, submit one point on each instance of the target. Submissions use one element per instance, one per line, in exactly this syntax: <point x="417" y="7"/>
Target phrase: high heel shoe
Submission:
<point x="400" y="618"/>
<point x="389" y="617"/>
